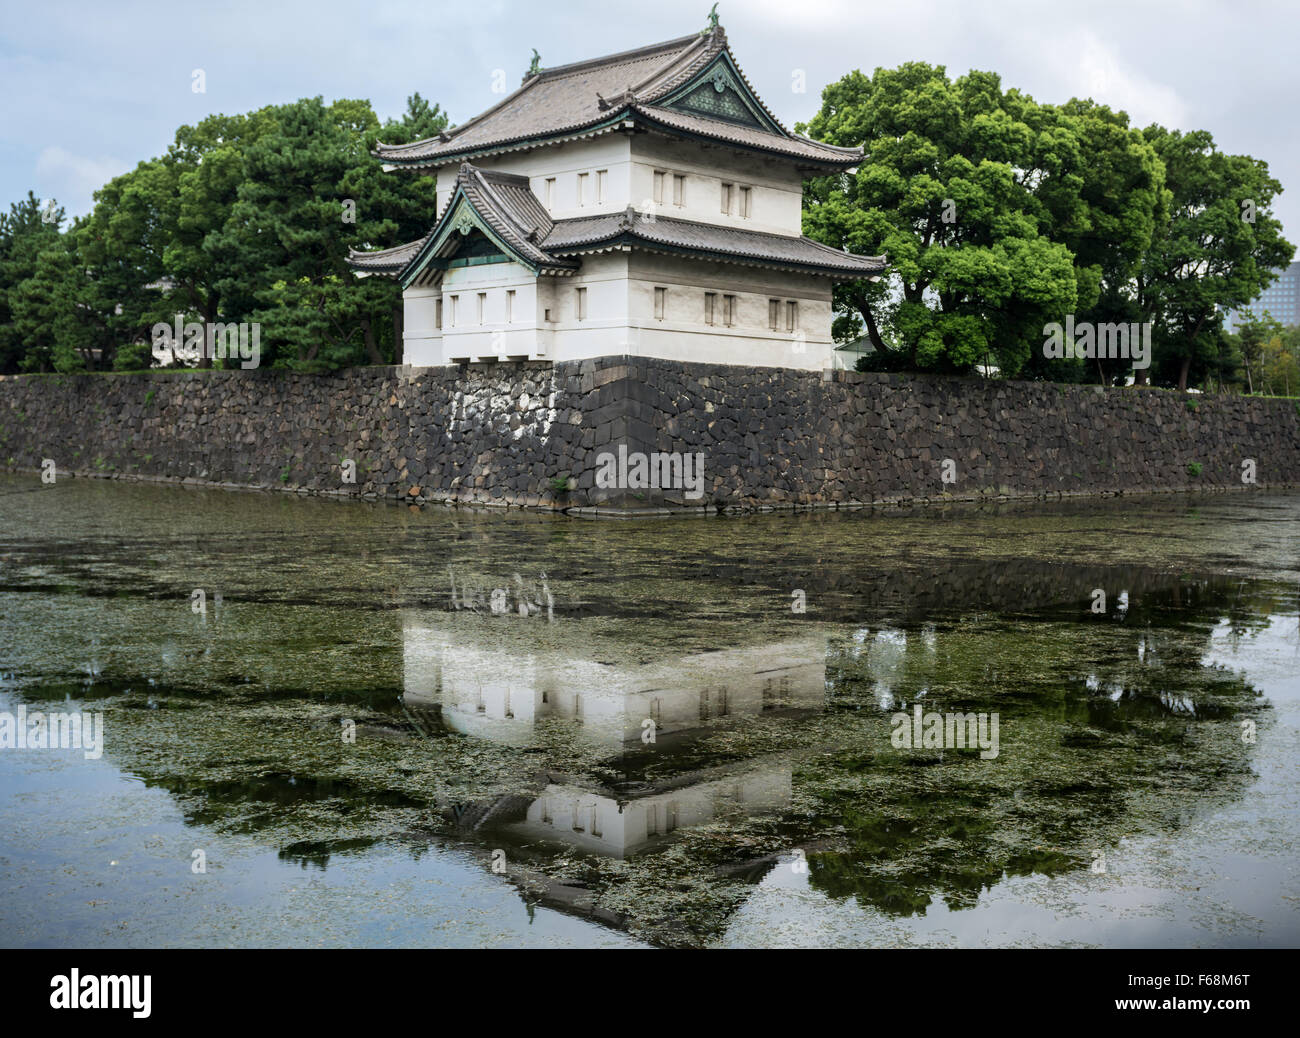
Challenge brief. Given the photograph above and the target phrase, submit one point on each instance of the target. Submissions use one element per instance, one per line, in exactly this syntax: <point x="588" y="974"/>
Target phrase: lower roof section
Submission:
<point x="706" y="241"/>
<point x="504" y="208"/>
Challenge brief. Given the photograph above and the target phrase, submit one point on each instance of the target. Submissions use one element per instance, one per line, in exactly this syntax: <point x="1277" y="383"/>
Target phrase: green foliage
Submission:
<point x="999" y="215"/>
<point x="243" y="219"/>
<point x="25" y="231"/>
<point x="1194" y="468"/>
<point x="1208" y="258"/>
<point x="956" y="190"/>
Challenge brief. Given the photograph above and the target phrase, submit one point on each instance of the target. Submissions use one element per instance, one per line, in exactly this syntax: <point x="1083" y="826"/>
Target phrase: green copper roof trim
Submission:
<point x="443" y="158"/>
<point x="720" y="80"/>
<point x="692" y="252"/>
<point x="461" y="218"/>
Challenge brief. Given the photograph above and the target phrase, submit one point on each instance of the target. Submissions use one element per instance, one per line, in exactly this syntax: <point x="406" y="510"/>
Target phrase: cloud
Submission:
<point x="73" y="179"/>
<point x="1103" y="77"/>
<point x="76" y="77"/>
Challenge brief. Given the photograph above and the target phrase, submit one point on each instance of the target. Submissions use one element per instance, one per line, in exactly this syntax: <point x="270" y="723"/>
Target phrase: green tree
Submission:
<point x="1106" y="205"/>
<point x="393" y="209"/>
<point x="195" y="187"/>
<point x="1218" y="251"/>
<point x="25" y="231"/>
<point x="957" y="187"/>
<point x="62" y="312"/>
<point x="1247" y="343"/>
<point x="311" y="191"/>
<point x="245" y="218"/>
<point x="1280" y="363"/>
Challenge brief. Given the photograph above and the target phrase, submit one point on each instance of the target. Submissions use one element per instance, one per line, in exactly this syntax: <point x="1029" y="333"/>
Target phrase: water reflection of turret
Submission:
<point x="488" y="678"/>
<point x="619" y="827"/>
<point x="620" y="772"/>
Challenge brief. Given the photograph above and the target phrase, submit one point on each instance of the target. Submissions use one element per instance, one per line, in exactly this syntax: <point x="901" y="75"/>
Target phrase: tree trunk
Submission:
<point x="372" y="350"/>
<point x="210" y="317"/>
<point x="873" y="333"/>
<point x="1183" y="369"/>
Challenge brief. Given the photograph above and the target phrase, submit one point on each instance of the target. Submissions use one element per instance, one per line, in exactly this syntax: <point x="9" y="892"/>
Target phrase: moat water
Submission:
<point x="328" y="723"/>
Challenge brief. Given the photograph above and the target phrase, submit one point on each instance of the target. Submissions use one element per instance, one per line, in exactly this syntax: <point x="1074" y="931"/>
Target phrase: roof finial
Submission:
<point x="713" y="19"/>
<point x="536" y="67"/>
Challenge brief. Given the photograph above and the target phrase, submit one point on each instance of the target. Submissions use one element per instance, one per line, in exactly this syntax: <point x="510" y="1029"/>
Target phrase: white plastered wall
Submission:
<point x="682" y="334"/>
<point x="776" y="189"/>
<point x="620" y="285"/>
<point x="610" y="152"/>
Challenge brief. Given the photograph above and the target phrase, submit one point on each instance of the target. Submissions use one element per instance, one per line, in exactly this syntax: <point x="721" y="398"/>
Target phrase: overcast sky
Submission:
<point x="90" y="89"/>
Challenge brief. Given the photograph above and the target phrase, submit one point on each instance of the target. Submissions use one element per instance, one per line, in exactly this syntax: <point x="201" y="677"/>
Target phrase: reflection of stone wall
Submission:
<point x="769" y="436"/>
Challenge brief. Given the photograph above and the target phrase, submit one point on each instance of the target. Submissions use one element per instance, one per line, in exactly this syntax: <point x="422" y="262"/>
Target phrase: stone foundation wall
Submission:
<point x="534" y="434"/>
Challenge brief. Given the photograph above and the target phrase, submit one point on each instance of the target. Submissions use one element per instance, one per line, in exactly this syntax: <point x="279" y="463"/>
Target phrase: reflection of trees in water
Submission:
<point x="1103" y="722"/>
<point x="1107" y="721"/>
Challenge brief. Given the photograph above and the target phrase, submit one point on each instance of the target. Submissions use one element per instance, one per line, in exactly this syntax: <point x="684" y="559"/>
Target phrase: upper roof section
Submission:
<point x="687" y="87"/>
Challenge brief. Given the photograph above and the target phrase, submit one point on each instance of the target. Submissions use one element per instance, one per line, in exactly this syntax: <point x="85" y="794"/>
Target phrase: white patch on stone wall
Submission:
<point x="549" y="420"/>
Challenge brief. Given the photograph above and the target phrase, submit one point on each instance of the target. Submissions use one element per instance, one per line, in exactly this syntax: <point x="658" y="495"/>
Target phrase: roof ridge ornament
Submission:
<point x="713" y="21"/>
<point x="627" y="98"/>
<point x="535" y="67"/>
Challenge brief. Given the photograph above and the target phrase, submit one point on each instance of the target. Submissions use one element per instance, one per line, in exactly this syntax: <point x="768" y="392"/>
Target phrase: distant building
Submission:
<point x="1281" y="299"/>
<point x="846" y="357"/>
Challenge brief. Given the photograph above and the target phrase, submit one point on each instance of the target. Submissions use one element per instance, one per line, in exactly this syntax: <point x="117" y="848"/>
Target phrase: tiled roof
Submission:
<point x="706" y="240"/>
<point x="588" y="96"/>
<point x="510" y="208"/>
<point x="388" y="262"/>
<point x="502" y="200"/>
<point x="720" y="129"/>
<point x="561" y="99"/>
